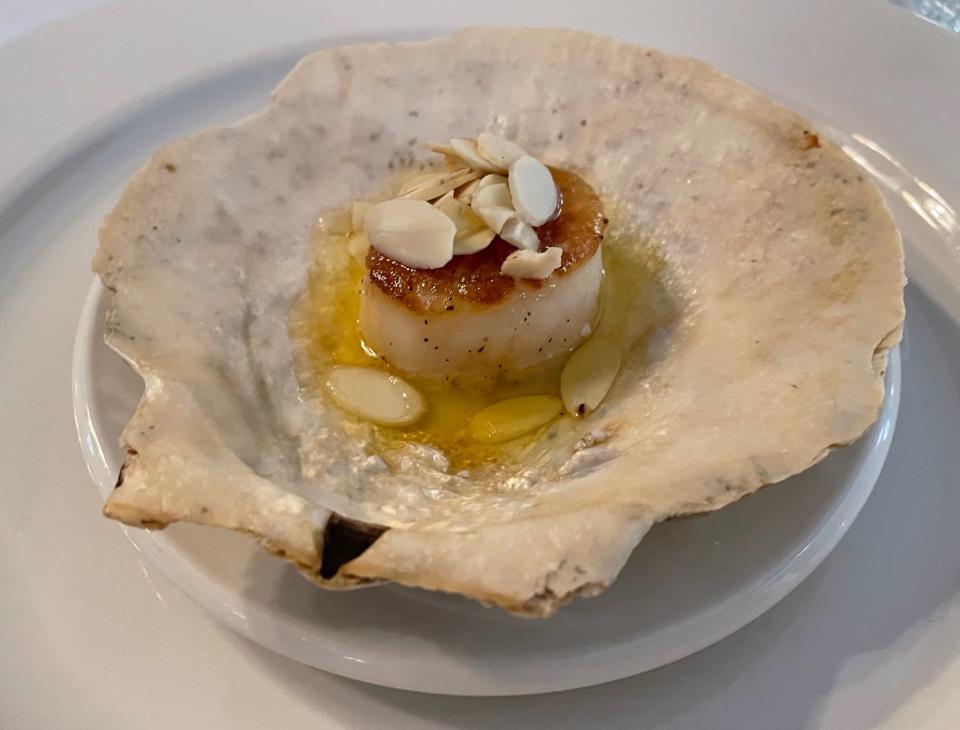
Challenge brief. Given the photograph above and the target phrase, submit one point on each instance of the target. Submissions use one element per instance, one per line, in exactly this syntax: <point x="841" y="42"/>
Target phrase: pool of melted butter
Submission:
<point x="325" y="323"/>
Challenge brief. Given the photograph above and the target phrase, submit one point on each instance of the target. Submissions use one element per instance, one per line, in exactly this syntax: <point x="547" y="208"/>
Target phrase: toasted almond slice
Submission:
<point x="441" y="149"/>
<point x="435" y="184"/>
<point x="496" y="216"/>
<point x="375" y="396"/>
<point x="514" y="417"/>
<point x="411" y="232"/>
<point x="466" y="150"/>
<point x="518" y="233"/>
<point x="357" y="213"/>
<point x="336" y="222"/>
<point x="358" y="245"/>
<point x="466" y="192"/>
<point x="422" y="180"/>
<point x="491" y="179"/>
<point x="463" y="217"/>
<point x="492" y="195"/>
<point x="436" y="176"/>
<point x="497" y="150"/>
<point x="533" y="190"/>
<point x="524" y="264"/>
<point x="459" y="212"/>
<point x="588" y="375"/>
<point x="472" y="241"/>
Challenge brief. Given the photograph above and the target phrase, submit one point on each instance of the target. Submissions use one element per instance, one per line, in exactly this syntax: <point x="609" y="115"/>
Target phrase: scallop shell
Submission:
<point x="782" y="271"/>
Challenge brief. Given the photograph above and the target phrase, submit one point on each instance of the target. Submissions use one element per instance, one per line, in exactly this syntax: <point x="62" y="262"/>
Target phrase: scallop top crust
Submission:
<point x="475" y="278"/>
<point x="788" y="265"/>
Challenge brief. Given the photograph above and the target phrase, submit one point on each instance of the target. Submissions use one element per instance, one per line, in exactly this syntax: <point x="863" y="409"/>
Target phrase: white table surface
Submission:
<point x="872" y="639"/>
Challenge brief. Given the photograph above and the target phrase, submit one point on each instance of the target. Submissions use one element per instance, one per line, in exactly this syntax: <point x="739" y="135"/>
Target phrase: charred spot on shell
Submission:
<point x="130" y="452"/>
<point x="343" y="540"/>
<point x="811" y="140"/>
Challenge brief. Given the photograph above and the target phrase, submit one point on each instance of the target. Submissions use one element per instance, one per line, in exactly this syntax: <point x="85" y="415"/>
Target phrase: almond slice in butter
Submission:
<point x="375" y="396"/>
<point x="588" y="375"/>
<point x="514" y="417"/>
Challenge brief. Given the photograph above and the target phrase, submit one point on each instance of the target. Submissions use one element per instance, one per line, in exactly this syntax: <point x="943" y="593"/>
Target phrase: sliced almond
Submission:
<point x="336" y="222"/>
<point x="411" y="232"/>
<point x="375" y="396"/>
<point x="465" y="192"/>
<point x="494" y="195"/>
<point x="497" y="150"/>
<point x="442" y="200"/>
<point x="491" y="179"/>
<point x="432" y="185"/>
<point x="533" y="190"/>
<point x="525" y="264"/>
<point x="514" y="417"/>
<point x="358" y="245"/>
<point x="472" y="233"/>
<point x="588" y="375"/>
<point x="472" y="241"/>
<point x="466" y="150"/>
<point x="496" y="216"/>
<point x="424" y="179"/>
<point x="518" y="233"/>
<point x="358" y="212"/>
<point x="441" y="149"/>
<point x="463" y="217"/>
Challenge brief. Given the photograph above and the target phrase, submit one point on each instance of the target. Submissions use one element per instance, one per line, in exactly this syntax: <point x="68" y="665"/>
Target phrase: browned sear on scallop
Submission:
<point x="476" y="278"/>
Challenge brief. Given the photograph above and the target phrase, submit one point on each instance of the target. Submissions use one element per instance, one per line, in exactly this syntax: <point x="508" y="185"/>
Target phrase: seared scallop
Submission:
<point x="468" y="319"/>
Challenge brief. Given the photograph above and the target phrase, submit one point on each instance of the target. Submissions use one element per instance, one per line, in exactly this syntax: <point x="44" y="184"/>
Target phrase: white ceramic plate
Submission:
<point x="94" y="636"/>
<point x="689" y="584"/>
